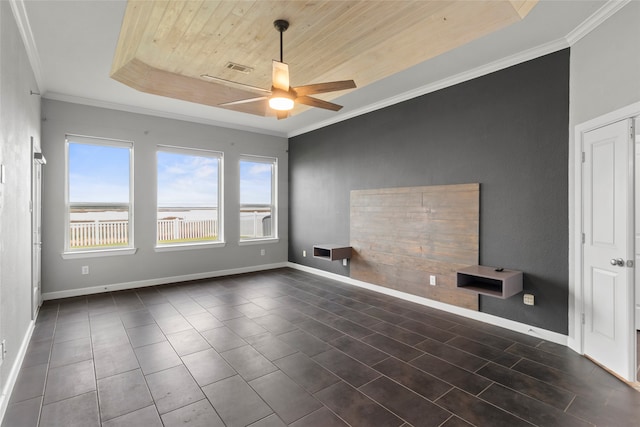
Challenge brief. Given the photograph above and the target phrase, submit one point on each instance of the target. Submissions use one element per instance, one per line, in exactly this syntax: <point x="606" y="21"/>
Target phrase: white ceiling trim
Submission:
<point x="594" y="21"/>
<point x="22" y="21"/>
<point x="491" y="67"/>
<point x="494" y="66"/>
<point x="156" y="113"/>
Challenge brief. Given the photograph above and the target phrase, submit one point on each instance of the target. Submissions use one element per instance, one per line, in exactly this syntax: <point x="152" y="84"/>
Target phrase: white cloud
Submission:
<point x="186" y="180"/>
<point x="260" y="168"/>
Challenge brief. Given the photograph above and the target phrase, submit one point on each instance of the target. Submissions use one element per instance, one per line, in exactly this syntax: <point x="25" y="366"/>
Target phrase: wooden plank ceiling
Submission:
<point x="165" y="46"/>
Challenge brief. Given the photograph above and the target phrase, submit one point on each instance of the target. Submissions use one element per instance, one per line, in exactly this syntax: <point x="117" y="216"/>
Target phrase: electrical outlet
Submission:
<point x="432" y="280"/>
<point x="262" y="252"/>
<point x="3" y="350"/>
<point x="528" y="299"/>
<point x="304" y="253"/>
<point x="85" y="269"/>
<point x="344" y="262"/>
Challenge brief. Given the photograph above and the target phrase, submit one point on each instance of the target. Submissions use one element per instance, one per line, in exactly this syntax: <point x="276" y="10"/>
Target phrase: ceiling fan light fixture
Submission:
<point x="281" y="103"/>
<point x="281" y="100"/>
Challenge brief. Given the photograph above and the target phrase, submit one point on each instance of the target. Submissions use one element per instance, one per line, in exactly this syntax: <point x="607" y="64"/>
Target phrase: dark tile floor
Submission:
<point x="285" y="348"/>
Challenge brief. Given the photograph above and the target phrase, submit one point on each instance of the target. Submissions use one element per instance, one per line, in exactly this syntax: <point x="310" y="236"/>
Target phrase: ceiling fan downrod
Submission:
<point x="282" y="97"/>
<point x="281" y="25"/>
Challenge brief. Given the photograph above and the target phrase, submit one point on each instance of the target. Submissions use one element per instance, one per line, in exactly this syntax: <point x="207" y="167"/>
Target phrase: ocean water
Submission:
<point x="121" y="215"/>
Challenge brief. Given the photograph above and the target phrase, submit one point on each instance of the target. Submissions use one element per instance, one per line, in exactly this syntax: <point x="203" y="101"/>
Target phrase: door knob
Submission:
<point x="619" y="262"/>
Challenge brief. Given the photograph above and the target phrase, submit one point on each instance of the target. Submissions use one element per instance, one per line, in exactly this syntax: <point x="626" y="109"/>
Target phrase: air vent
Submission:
<point x="238" y="67"/>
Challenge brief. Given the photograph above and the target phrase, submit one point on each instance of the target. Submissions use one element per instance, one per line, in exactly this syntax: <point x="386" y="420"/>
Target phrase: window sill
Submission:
<point x="258" y="241"/>
<point x="189" y="246"/>
<point x="98" y="253"/>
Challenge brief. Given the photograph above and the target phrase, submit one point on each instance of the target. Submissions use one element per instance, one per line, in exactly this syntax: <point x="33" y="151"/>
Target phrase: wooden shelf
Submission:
<point x="331" y="252"/>
<point x="487" y="281"/>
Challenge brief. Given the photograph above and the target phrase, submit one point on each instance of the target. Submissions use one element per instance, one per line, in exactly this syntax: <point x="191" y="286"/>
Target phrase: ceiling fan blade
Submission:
<point x="243" y="101"/>
<point x="282" y="114"/>
<point x="234" y="84"/>
<point x="325" y="87"/>
<point x="319" y="103"/>
<point x="280" y="75"/>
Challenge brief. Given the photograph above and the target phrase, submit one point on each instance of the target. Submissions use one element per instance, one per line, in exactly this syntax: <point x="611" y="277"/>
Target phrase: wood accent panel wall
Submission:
<point x="401" y="236"/>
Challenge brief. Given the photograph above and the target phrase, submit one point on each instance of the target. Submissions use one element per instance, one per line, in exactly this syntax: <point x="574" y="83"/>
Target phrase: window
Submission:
<point x="189" y="197"/>
<point x="258" y="195"/>
<point x="99" y="196"/>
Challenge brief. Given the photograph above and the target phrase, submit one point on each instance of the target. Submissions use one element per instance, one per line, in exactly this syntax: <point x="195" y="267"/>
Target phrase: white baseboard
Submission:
<point x="15" y="370"/>
<point x="476" y="315"/>
<point x="158" y="281"/>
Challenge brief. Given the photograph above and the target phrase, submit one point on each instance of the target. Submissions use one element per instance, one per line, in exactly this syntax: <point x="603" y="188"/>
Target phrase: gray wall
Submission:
<point x="507" y="131"/>
<point x="605" y="76"/>
<point x="60" y="118"/>
<point x="19" y="121"/>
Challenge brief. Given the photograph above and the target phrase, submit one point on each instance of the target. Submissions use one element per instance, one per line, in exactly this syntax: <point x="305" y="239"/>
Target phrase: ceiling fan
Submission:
<point x="282" y="97"/>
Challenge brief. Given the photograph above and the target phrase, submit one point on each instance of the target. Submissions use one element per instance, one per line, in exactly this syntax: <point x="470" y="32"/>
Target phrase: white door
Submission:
<point x="36" y="230"/>
<point x="607" y="177"/>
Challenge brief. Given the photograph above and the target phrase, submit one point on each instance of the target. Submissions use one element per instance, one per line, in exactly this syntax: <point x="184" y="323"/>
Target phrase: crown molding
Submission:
<point x="480" y="71"/>
<point x="588" y="25"/>
<point x="594" y="21"/>
<point x="157" y="113"/>
<point x="22" y="21"/>
<point x="597" y="18"/>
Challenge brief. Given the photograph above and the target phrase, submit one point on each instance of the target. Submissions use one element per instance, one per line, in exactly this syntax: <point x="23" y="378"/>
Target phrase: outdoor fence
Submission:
<point x="98" y="233"/>
<point x="255" y="224"/>
<point x="181" y="229"/>
<point x="85" y="234"/>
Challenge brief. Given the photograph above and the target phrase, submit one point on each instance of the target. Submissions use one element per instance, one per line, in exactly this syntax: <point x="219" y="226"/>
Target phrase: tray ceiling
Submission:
<point x="166" y="46"/>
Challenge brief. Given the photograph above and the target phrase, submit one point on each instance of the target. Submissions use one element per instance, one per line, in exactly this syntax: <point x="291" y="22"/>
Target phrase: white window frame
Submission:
<point x="273" y="161"/>
<point x="70" y="253"/>
<point x="165" y="247"/>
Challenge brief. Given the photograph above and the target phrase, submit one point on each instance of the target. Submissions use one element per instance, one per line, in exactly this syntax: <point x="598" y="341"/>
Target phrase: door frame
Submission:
<point x="576" y="287"/>
<point x="37" y="161"/>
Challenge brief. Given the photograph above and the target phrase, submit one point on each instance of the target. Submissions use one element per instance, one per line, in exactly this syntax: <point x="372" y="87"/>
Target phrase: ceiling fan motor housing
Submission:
<point x="281" y="25"/>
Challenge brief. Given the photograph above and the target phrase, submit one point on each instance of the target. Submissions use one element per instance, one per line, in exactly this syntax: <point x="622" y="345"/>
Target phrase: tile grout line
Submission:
<point x="95" y="307"/>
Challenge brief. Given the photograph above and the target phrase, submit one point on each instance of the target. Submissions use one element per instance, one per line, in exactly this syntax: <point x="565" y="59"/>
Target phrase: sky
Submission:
<point x="187" y="180"/>
<point x="255" y="183"/>
<point x="100" y="174"/>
